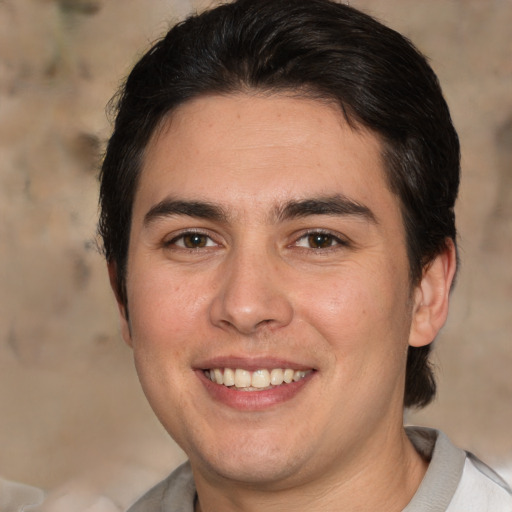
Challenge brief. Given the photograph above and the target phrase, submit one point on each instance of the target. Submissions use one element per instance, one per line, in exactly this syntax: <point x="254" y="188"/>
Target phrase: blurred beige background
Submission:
<point x="72" y="417"/>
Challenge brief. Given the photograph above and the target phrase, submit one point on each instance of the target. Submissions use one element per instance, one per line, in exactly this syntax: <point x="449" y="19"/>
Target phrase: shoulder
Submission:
<point x="174" y="494"/>
<point x="17" y="496"/>
<point x="481" y="489"/>
<point x="456" y="481"/>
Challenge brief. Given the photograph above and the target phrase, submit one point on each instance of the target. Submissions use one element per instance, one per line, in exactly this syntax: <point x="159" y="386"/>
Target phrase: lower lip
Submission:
<point x="253" y="400"/>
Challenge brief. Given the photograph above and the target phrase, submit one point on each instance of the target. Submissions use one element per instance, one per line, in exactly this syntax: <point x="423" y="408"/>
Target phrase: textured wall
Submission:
<point x="70" y="407"/>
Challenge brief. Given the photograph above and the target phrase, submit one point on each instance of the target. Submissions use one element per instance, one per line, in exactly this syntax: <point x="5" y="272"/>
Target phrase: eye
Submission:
<point x="191" y="240"/>
<point x="319" y="240"/>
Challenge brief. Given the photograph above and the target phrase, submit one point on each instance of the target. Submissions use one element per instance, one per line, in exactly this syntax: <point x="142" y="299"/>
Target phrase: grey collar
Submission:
<point x="443" y="474"/>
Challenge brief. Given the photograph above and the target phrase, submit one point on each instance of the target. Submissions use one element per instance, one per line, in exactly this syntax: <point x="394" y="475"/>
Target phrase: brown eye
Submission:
<point x="194" y="240"/>
<point x="191" y="240"/>
<point x="320" y="240"/>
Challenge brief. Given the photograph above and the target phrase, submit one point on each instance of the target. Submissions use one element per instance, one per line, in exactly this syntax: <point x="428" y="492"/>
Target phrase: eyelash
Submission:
<point x="334" y="241"/>
<point x="182" y="236"/>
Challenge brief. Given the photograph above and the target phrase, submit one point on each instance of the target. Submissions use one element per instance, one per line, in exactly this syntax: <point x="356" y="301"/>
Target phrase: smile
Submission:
<point x="259" y="380"/>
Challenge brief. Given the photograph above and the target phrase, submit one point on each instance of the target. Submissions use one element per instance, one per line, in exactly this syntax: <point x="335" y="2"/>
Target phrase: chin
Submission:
<point x="261" y="472"/>
<point x="251" y="461"/>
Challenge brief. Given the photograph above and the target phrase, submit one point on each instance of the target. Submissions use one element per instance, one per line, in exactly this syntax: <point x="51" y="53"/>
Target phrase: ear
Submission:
<point x="123" y="313"/>
<point x="432" y="296"/>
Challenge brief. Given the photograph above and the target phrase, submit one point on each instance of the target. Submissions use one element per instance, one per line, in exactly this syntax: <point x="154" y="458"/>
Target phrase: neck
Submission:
<point x="384" y="478"/>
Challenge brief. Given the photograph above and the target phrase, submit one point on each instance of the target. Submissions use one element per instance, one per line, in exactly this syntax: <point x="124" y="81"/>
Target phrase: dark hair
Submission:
<point x="318" y="49"/>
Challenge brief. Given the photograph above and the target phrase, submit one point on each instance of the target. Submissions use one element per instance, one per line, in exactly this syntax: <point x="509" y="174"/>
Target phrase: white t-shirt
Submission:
<point x="15" y="497"/>
<point x="456" y="481"/>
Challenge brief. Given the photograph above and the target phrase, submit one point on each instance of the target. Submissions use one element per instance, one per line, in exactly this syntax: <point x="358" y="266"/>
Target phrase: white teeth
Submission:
<point x="229" y="377"/>
<point x="288" y="376"/>
<point x="260" y="379"/>
<point x="276" y="377"/>
<point x="297" y="375"/>
<point x="242" y="378"/>
<point x="218" y="376"/>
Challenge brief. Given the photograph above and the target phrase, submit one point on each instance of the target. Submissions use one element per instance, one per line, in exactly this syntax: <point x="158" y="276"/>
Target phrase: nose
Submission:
<point x="253" y="294"/>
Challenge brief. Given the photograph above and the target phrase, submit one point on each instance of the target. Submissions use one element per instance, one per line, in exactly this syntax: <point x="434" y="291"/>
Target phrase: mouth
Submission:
<point x="259" y="380"/>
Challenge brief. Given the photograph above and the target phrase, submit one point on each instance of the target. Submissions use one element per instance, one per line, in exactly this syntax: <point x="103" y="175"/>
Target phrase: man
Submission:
<point x="277" y="214"/>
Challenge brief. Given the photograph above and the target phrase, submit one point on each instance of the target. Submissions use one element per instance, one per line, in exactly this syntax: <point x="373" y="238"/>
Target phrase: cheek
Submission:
<point x="164" y="310"/>
<point x="164" y="323"/>
<point x="360" y="309"/>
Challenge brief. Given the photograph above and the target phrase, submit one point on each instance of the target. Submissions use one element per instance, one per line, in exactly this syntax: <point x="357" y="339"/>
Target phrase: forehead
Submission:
<point x="253" y="150"/>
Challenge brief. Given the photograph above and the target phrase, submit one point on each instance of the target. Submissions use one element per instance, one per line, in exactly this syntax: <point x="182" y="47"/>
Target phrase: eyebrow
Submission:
<point x="197" y="209"/>
<point x="337" y="205"/>
<point x="331" y="205"/>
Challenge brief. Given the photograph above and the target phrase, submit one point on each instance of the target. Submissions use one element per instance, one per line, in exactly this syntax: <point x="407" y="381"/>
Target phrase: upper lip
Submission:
<point x="250" y="363"/>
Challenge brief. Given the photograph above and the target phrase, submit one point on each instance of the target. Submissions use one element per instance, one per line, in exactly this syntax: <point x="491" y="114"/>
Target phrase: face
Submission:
<point x="268" y="254"/>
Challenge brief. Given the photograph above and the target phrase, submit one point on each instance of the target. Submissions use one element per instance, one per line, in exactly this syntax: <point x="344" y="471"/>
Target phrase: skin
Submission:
<point x="257" y="288"/>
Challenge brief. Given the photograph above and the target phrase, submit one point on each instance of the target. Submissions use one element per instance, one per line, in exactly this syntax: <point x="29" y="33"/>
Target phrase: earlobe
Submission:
<point x="431" y="297"/>
<point x="123" y="313"/>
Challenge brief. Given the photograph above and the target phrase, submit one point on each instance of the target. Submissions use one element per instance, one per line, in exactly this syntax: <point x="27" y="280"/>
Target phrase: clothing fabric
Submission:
<point x="456" y="481"/>
<point x="16" y="497"/>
